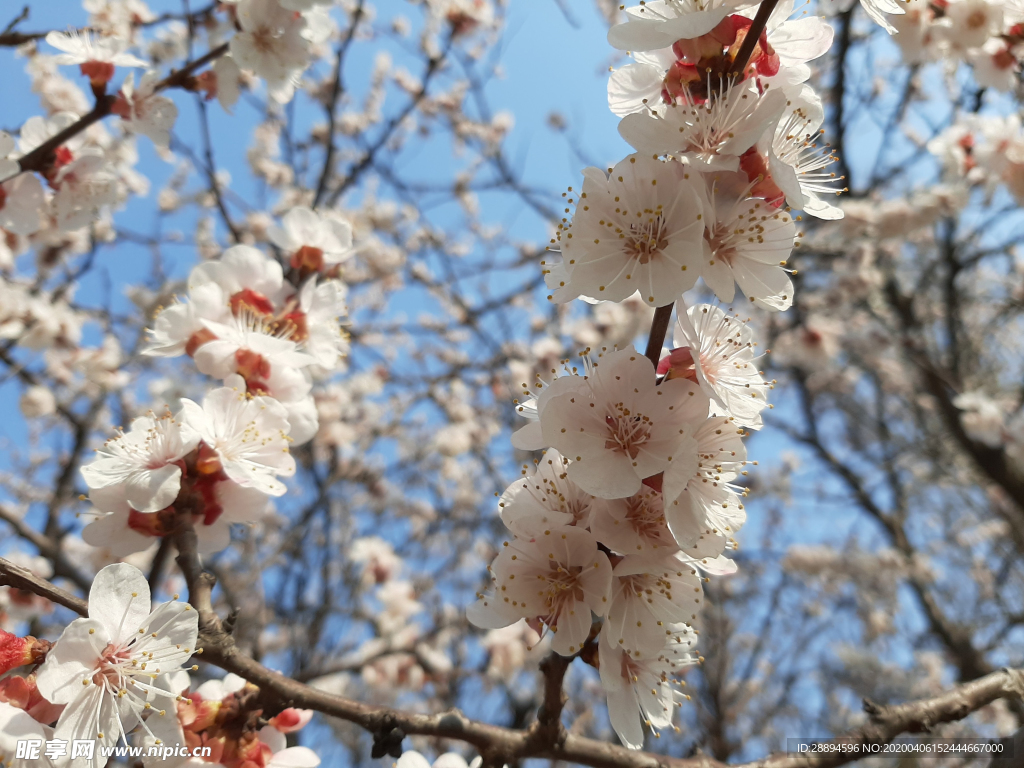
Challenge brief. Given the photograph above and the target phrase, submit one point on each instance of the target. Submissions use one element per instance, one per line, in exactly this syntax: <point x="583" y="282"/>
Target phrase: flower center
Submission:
<point x="627" y="432"/>
<point x="645" y="240"/>
<point x="642" y="585"/>
<point x="708" y="368"/>
<point x="563" y="584"/>
<point x="252" y="300"/>
<point x="647" y="521"/>
<point x="723" y="242"/>
<point x="263" y="39"/>
<point x="108" y="669"/>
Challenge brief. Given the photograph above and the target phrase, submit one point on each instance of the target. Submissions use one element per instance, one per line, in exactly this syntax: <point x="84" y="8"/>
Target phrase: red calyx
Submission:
<point x="18" y="651"/>
<point x="252" y="300"/>
<point x="755" y="165"/>
<point x="1002" y="58"/>
<point x="155" y="524"/>
<point x="197" y="339"/>
<point x="308" y="259"/>
<point x="252" y="366"/>
<point x="22" y="693"/>
<point x="99" y="72"/>
<point x="678" y="364"/>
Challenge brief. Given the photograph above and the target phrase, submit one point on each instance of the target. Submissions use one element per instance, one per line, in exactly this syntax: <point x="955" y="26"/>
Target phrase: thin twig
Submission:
<point x="15" y="576"/>
<point x="332" y="104"/>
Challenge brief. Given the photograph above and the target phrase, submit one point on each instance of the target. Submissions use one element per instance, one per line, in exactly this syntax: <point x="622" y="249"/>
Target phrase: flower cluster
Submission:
<point x="986" y="34"/>
<point x="638" y="490"/>
<point x="987" y="152"/>
<point x="724" y="150"/>
<point x="265" y="337"/>
<point x="635" y="496"/>
<point x="64" y="186"/>
<point x="638" y="494"/>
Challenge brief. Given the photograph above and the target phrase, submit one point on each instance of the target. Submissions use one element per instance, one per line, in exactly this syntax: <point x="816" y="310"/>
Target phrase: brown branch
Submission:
<point x="957" y="639"/>
<point x="200" y="583"/>
<point x="498" y="743"/>
<point x="885" y="723"/>
<point x="659" y="331"/>
<point x="839" y="91"/>
<point x="12" y="575"/>
<point x="42" y="156"/>
<point x="434" y="65"/>
<point x="991" y="462"/>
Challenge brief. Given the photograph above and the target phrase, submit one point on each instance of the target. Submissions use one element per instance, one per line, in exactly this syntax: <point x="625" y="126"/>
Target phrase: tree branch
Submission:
<point x="12" y="575"/>
<point x="885" y="723"/>
<point x="332" y="104"/>
<point x="40" y="157"/>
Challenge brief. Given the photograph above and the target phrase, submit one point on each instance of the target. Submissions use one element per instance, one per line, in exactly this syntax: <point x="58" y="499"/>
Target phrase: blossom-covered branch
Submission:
<point x="885" y="723"/>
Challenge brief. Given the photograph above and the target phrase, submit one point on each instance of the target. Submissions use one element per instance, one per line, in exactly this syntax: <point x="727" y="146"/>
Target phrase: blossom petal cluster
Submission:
<point x="69" y="186"/>
<point x="242" y="317"/>
<point x="724" y="151"/>
<point x="634" y="499"/>
<point x="639" y="492"/>
<point x="267" y="339"/>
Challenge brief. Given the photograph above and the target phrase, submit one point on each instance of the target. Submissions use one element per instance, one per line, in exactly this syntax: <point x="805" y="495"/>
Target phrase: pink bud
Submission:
<point x="18" y="651"/>
<point x="291" y="719"/>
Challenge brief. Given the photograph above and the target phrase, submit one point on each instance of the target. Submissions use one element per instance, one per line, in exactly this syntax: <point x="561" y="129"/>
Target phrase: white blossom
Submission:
<point x="103" y="667"/>
<point x="617" y="426"/>
<point x="561" y="577"/>
<point x="659" y="23"/>
<point x="638" y="228"/>
<point x="144" y="111"/>
<point x="712" y="134"/>
<point x="747" y="243"/>
<point x="84" y="48"/>
<point x="248" y="436"/>
<point x="544" y="498"/>
<point x="145" y="461"/>
<point x="271" y="44"/>
<point x="311" y="240"/>
<point x="720" y="354"/>
<point x="639" y="686"/>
